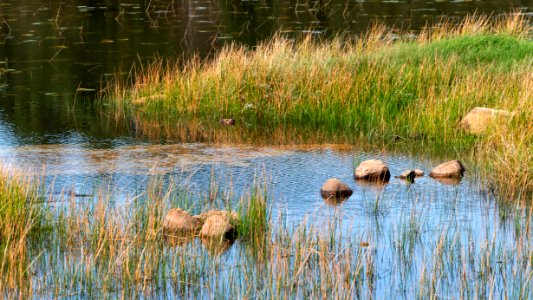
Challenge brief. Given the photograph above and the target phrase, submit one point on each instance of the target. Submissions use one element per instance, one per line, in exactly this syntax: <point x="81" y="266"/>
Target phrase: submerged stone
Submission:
<point x="408" y="175"/>
<point x="419" y="173"/>
<point x="450" y="169"/>
<point x="480" y="118"/>
<point x="372" y="170"/>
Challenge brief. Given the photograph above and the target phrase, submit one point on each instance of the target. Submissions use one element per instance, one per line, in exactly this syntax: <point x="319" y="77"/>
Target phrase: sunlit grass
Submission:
<point x="372" y="87"/>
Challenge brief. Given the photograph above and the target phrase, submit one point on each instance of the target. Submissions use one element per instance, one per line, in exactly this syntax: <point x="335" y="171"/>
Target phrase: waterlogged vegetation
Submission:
<point x="386" y="89"/>
<point x="107" y="248"/>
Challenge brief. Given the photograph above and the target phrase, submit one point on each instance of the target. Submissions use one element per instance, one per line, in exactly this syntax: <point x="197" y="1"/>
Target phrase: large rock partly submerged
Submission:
<point x="451" y="169"/>
<point x="480" y="118"/>
<point x="212" y="223"/>
<point x="179" y="221"/>
<point x="334" y="188"/>
<point x="372" y="170"/>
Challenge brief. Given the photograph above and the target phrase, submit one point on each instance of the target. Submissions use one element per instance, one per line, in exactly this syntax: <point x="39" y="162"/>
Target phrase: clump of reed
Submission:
<point x="22" y="221"/>
<point x="377" y="86"/>
<point x="253" y="215"/>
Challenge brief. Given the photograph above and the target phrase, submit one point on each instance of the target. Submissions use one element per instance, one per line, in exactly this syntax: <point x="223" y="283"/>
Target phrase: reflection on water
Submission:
<point x="64" y="160"/>
<point x="55" y="55"/>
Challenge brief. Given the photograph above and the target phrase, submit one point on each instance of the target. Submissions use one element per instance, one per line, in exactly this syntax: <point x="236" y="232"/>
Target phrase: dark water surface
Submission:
<point x="54" y="55"/>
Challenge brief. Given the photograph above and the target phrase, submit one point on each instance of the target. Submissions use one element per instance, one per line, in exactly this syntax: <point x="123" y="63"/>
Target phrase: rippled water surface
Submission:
<point x="295" y="174"/>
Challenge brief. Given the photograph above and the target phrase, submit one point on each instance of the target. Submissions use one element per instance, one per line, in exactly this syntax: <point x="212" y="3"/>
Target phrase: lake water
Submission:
<point x="54" y="58"/>
<point x="54" y="55"/>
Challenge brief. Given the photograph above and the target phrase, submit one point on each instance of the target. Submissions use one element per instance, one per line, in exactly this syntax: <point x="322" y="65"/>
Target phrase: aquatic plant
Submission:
<point x="21" y="222"/>
<point x="107" y="248"/>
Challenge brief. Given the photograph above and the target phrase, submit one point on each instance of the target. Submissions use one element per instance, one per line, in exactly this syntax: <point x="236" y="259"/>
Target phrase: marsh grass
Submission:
<point x="116" y="249"/>
<point x="378" y="87"/>
<point x="22" y="222"/>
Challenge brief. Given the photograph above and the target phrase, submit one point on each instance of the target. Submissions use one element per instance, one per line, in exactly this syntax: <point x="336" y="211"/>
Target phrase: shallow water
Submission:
<point x="294" y="173"/>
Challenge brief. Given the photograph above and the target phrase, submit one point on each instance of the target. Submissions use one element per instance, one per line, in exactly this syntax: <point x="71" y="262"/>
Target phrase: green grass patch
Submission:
<point x="498" y="50"/>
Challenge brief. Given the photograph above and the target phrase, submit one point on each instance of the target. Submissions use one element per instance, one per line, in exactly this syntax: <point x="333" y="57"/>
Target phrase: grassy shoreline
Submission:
<point x="372" y="87"/>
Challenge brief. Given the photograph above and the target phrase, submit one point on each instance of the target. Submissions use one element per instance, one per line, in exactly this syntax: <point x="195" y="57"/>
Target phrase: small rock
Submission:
<point x="218" y="225"/>
<point x="449" y="169"/>
<point x="480" y="118"/>
<point x="334" y="188"/>
<point x="419" y="173"/>
<point x="227" y="122"/>
<point x="408" y="175"/>
<point x="179" y="221"/>
<point x="372" y="170"/>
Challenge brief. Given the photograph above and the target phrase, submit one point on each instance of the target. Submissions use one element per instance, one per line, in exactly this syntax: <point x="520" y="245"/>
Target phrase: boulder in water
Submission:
<point x="372" y="170"/>
<point x="450" y="169"/>
<point x="334" y="188"/>
<point x="179" y="221"/>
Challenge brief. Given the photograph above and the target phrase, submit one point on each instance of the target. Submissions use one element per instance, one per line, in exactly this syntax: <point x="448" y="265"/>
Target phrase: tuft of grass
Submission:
<point x="497" y="50"/>
<point x="22" y="221"/>
<point x="253" y="216"/>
